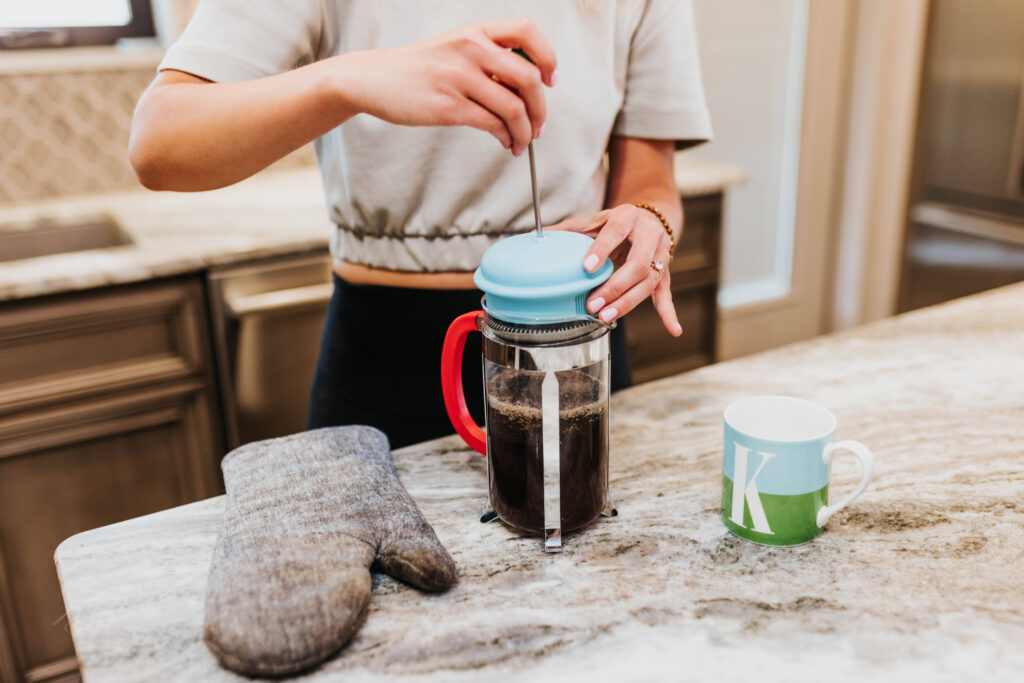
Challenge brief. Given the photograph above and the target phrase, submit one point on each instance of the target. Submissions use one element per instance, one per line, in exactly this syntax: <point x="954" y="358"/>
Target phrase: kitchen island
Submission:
<point x="919" y="579"/>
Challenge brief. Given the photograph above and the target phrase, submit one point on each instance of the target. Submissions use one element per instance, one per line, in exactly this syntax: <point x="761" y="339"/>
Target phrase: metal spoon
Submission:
<point x="536" y="193"/>
<point x="533" y="166"/>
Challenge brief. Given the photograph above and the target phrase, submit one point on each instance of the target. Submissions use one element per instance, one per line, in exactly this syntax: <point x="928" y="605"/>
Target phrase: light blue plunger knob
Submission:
<point x="538" y="280"/>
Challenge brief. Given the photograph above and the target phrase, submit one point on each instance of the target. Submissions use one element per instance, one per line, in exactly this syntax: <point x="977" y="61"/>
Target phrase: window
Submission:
<point x="59" y="23"/>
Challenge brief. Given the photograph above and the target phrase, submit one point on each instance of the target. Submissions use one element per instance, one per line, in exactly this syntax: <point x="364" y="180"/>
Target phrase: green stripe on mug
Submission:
<point x="776" y="465"/>
<point x="793" y="519"/>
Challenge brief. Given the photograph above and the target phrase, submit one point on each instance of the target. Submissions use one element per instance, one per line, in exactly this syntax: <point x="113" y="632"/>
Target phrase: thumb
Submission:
<point x="413" y="554"/>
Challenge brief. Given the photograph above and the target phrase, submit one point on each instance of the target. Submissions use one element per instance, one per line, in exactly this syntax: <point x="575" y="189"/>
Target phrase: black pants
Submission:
<point x="380" y="361"/>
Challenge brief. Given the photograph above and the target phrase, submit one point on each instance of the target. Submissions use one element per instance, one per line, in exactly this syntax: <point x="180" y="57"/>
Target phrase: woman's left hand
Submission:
<point x="636" y="234"/>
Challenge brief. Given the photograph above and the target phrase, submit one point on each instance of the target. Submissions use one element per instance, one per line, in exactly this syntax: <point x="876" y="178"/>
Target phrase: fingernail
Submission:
<point x="590" y="263"/>
<point x="596" y="305"/>
<point x="540" y="131"/>
<point x="517" y="152"/>
<point x="554" y="78"/>
<point x="678" y="329"/>
<point x="608" y="314"/>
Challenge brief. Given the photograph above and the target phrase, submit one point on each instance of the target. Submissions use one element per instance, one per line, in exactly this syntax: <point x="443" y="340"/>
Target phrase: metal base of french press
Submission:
<point x="488" y="515"/>
<point x="552" y="537"/>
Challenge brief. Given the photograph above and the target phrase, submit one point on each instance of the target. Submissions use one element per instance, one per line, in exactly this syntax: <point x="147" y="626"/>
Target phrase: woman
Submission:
<point x="391" y="94"/>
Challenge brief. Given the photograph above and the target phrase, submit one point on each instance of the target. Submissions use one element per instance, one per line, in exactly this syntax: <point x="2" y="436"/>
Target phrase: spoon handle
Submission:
<point x="536" y="193"/>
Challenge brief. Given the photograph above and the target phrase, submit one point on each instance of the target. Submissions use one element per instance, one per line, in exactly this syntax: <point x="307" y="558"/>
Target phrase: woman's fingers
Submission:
<point x="636" y="270"/>
<point x="615" y="231"/>
<point x="479" y="117"/>
<point x="524" y="34"/>
<point x="605" y="300"/>
<point x="506" y="105"/>
<point x="631" y="298"/>
<point x="662" y="299"/>
<point x="524" y="78"/>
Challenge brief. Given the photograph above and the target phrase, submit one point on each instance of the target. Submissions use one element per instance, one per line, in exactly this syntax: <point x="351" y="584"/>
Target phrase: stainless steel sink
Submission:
<point x="50" y="236"/>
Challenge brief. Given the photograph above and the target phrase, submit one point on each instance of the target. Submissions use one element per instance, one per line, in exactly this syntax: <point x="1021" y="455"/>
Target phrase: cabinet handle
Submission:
<point x="279" y="301"/>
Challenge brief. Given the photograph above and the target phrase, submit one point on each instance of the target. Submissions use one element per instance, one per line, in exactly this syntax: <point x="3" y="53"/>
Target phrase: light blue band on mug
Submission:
<point x="780" y="468"/>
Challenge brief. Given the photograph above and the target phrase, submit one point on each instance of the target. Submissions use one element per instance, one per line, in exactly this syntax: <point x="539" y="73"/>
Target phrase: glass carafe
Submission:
<point x="547" y="430"/>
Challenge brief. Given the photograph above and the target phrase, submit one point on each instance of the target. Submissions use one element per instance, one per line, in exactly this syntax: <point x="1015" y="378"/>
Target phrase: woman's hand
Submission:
<point x="634" y="238"/>
<point x="466" y="77"/>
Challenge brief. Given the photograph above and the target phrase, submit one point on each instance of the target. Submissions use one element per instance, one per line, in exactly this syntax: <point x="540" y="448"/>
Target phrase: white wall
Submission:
<point x="752" y="56"/>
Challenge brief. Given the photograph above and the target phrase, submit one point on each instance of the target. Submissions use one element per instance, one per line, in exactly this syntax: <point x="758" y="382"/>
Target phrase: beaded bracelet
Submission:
<point x="664" y="224"/>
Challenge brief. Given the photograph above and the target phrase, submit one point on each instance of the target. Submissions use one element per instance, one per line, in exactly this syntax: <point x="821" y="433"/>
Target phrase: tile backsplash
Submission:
<point x="65" y="132"/>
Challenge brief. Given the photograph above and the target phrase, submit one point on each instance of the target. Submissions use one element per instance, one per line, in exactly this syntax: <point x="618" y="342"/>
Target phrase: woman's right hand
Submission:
<point x="466" y="77"/>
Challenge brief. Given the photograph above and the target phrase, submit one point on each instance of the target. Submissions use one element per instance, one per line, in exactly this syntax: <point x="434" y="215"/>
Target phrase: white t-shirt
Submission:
<point x="431" y="199"/>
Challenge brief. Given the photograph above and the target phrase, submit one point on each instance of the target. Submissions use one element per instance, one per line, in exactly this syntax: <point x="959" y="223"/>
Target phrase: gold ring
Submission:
<point x="658" y="266"/>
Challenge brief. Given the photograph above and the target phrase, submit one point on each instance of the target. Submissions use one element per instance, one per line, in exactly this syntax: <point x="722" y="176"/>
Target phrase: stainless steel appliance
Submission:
<point x="965" y="229"/>
<point x="267" y="321"/>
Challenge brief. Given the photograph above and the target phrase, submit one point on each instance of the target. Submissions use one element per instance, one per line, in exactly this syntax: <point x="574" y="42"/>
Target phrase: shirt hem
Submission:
<point x="681" y="124"/>
<point x="212" y="65"/>
<point x="415" y="253"/>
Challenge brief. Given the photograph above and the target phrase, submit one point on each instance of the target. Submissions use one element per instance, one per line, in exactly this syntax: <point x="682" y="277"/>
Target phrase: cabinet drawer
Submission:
<point x="74" y="346"/>
<point x="654" y="353"/>
<point x="697" y="248"/>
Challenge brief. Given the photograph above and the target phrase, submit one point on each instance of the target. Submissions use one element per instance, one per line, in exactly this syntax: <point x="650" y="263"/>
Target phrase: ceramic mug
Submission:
<point x="776" y="468"/>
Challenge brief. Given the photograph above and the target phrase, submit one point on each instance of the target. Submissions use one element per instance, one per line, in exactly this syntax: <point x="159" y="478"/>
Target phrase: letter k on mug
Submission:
<point x="776" y="467"/>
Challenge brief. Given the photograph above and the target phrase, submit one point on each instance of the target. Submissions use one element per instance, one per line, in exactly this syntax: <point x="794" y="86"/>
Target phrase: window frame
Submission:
<point x="140" y="26"/>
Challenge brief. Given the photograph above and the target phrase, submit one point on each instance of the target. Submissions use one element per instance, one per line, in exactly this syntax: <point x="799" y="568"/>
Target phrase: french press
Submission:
<point x="545" y="363"/>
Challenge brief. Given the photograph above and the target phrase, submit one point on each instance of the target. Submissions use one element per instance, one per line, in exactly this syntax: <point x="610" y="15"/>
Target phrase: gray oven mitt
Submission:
<point x="306" y="517"/>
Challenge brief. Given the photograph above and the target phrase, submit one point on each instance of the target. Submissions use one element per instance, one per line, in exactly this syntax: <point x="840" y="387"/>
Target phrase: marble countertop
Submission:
<point x="696" y="176"/>
<point x="271" y="214"/>
<point x="919" y="579"/>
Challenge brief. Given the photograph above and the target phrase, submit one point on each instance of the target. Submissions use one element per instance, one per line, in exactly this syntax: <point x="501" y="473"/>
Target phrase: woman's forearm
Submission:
<point x="189" y="134"/>
<point x="641" y="170"/>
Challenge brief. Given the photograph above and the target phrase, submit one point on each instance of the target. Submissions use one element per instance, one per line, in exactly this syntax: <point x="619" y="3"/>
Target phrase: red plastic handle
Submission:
<point x="451" y="381"/>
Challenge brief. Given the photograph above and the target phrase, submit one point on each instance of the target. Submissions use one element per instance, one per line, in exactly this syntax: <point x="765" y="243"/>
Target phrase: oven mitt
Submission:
<point x="306" y="517"/>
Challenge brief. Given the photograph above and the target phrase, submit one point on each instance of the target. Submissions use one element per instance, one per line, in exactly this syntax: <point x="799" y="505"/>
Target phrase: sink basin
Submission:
<point x="49" y="236"/>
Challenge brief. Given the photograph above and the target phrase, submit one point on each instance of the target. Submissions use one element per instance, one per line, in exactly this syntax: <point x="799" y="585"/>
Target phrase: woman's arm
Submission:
<point x="640" y="171"/>
<point x="191" y="134"/>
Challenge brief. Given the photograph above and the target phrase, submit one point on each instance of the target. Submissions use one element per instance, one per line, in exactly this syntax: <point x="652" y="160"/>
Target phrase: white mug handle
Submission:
<point x="867" y="463"/>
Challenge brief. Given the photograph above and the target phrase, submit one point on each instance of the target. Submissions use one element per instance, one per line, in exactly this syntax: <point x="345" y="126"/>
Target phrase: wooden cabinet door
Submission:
<point x="106" y="412"/>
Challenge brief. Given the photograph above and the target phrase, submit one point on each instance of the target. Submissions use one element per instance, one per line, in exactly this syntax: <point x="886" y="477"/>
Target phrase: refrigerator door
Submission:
<point x="971" y="149"/>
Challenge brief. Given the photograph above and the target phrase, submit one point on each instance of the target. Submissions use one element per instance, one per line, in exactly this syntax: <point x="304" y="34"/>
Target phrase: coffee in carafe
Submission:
<point x="515" y="429"/>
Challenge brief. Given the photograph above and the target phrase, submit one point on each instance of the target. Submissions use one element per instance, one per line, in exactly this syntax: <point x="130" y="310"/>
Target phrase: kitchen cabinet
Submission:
<point x="653" y="353"/>
<point x="267" y="321"/>
<point x="107" y="412"/>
